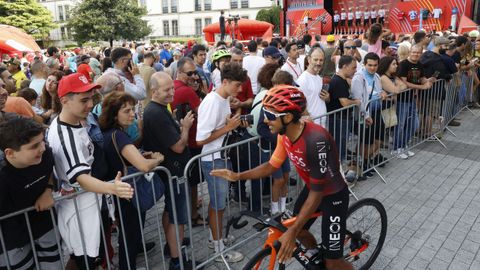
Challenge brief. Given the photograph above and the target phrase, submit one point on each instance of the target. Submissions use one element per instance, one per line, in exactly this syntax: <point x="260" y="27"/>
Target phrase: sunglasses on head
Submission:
<point x="191" y="73"/>
<point x="271" y="116"/>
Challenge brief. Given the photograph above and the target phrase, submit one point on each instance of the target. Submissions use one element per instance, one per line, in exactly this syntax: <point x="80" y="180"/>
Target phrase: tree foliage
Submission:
<point x="271" y="15"/>
<point x="27" y="15"/>
<point x="109" y="20"/>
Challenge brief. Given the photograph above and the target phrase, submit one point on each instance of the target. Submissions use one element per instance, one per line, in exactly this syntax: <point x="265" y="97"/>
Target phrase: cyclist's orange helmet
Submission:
<point x="285" y="98"/>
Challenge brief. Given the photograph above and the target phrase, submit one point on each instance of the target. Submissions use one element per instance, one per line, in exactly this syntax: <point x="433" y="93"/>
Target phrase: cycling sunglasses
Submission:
<point x="270" y="116"/>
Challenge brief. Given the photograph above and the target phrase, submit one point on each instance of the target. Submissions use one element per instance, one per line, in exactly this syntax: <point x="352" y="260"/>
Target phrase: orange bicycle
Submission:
<point x="365" y="234"/>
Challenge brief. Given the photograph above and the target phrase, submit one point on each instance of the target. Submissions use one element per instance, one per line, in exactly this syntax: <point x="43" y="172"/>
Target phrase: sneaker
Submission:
<point x="148" y="246"/>
<point x="226" y="241"/>
<point x="231" y="256"/>
<point x="409" y="153"/>
<point x="402" y="156"/>
<point x="187" y="265"/>
<point x="368" y="174"/>
<point x="166" y="249"/>
<point x="350" y="176"/>
<point x="454" y="123"/>
<point x="361" y="178"/>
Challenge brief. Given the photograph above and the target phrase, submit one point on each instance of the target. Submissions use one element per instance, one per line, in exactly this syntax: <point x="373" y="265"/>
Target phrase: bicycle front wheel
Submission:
<point x="262" y="260"/>
<point x="366" y="232"/>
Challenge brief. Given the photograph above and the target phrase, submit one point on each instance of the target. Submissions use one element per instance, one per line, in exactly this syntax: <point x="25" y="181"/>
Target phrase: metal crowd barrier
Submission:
<point x="152" y="218"/>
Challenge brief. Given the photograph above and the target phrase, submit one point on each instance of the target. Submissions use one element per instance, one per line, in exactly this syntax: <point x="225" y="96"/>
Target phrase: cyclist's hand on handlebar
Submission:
<point x="288" y="246"/>
<point x="224" y="173"/>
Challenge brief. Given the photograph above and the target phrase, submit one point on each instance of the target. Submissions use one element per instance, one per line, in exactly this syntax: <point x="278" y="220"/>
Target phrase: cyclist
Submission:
<point x="314" y="153"/>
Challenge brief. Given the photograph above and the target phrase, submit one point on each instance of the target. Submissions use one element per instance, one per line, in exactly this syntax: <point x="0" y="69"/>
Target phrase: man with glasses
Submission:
<point x="128" y="72"/>
<point x="349" y="48"/>
<point x="165" y="55"/>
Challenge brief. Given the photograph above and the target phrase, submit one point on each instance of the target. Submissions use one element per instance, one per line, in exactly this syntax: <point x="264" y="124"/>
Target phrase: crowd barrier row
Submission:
<point x="399" y="121"/>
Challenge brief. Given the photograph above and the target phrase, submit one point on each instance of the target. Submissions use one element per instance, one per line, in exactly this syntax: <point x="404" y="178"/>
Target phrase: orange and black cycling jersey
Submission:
<point x="315" y="156"/>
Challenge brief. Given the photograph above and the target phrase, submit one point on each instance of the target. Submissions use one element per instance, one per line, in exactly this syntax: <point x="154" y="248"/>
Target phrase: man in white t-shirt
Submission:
<point x="412" y="14"/>
<point x="373" y="15"/>
<point x="291" y="65"/>
<point x="336" y="22"/>
<point x="437" y="12"/>
<point x="311" y="85"/>
<point x="253" y="63"/>
<point x="381" y="15"/>
<point x="214" y="124"/>
<point x="79" y="218"/>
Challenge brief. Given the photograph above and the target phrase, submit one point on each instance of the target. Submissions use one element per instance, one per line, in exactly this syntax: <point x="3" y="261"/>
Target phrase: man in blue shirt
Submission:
<point x="165" y="55"/>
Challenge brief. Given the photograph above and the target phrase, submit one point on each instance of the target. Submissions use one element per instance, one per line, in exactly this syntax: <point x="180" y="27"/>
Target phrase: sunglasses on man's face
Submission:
<point x="350" y="47"/>
<point x="191" y="73"/>
<point x="271" y="116"/>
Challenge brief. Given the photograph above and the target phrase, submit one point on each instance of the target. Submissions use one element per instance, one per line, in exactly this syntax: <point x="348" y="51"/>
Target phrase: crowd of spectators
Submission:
<point x="162" y="104"/>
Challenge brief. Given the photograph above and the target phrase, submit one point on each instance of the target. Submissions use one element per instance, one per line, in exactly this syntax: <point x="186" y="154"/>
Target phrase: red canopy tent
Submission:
<point x="14" y="40"/>
<point x="466" y="25"/>
<point x="246" y="30"/>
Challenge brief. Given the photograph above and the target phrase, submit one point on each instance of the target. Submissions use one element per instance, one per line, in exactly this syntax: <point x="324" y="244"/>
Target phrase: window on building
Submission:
<point x="208" y="21"/>
<point x="233" y="3"/>
<point x="60" y="13"/>
<point x="63" y="33"/>
<point x="165" y="6"/>
<point x="67" y="12"/>
<point x="198" y="27"/>
<point x="174" y="28"/>
<point x="166" y="28"/>
<point x="174" y="6"/>
<point x="198" y="7"/>
<point x="244" y="3"/>
<point x="207" y="4"/>
<point x="69" y="33"/>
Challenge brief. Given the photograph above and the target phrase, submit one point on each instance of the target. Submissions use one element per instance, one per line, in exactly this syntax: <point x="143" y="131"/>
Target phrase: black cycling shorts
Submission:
<point x="334" y="209"/>
<point x="350" y="22"/>
<point x="381" y="20"/>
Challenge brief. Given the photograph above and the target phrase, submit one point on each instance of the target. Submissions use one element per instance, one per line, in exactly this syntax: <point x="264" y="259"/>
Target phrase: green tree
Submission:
<point x="27" y="15"/>
<point x="95" y="20"/>
<point x="271" y="15"/>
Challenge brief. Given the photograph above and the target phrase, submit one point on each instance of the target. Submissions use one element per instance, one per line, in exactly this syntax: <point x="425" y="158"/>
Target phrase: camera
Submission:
<point x="247" y="118"/>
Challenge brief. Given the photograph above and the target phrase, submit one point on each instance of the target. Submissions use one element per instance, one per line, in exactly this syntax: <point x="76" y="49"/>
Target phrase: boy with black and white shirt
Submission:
<point x="25" y="181"/>
<point x="73" y="152"/>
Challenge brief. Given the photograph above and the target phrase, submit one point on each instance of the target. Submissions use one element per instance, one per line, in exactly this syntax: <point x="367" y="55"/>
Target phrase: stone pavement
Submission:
<point x="432" y="202"/>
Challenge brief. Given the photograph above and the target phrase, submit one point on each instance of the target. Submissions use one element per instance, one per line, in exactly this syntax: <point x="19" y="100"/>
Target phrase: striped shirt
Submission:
<point x="73" y="152"/>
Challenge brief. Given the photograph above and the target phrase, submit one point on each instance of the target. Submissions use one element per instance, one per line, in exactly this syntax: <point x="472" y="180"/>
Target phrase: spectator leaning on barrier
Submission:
<point x="184" y="100"/>
<point x="214" y="123"/>
<point x="253" y="63"/>
<point x="340" y="123"/>
<point x="73" y="153"/>
<point x="27" y="180"/>
<point x="128" y="72"/>
<point x="118" y="114"/>
<point x="311" y="84"/>
<point x="411" y="71"/>
<point x="367" y="87"/>
<point x="163" y="134"/>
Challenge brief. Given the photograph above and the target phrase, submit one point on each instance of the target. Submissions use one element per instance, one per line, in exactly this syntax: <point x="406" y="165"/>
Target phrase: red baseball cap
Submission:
<point x="75" y="83"/>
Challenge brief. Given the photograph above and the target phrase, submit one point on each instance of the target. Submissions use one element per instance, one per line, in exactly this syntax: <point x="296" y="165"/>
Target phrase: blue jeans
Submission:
<point x="407" y="124"/>
<point x="217" y="186"/>
<point x="340" y="128"/>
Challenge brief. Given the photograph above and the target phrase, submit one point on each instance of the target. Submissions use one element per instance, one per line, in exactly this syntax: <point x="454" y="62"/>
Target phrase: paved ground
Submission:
<point x="432" y="202"/>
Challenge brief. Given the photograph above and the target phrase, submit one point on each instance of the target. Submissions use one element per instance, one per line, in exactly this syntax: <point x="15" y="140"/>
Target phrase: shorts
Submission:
<point x="334" y="208"/>
<point x="358" y="22"/>
<point x="350" y="22"/>
<point x="47" y="253"/>
<point x="180" y="199"/>
<point x="335" y="24"/>
<point x="381" y="20"/>
<point x="194" y="173"/>
<point x="217" y="186"/>
<point x="342" y="22"/>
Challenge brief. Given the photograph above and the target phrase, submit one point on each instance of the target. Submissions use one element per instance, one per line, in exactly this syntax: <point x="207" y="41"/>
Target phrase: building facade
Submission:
<point x="168" y="18"/>
<point x="182" y="18"/>
<point x="60" y="9"/>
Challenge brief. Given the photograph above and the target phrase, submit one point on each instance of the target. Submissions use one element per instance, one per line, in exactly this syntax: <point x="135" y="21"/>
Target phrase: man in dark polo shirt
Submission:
<point x="25" y="181"/>
<point x="185" y="99"/>
<point x="163" y="134"/>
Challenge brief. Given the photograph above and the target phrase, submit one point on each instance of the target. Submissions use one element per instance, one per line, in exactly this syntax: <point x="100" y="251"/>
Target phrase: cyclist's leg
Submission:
<point x="305" y="237"/>
<point x="334" y="208"/>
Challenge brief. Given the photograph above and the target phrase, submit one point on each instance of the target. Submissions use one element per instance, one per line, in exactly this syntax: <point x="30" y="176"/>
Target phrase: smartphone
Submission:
<point x="182" y="110"/>
<point x="247" y="118"/>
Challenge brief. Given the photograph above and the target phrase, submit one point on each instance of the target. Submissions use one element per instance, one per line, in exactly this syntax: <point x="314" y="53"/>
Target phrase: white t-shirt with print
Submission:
<point x="343" y="16"/>
<point x="350" y="16"/>
<point x="336" y="18"/>
<point x="358" y="14"/>
<point x="373" y="14"/>
<point x="437" y="12"/>
<point x="366" y="15"/>
<point x="212" y="115"/>
<point x="311" y="85"/>
<point x="381" y="13"/>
